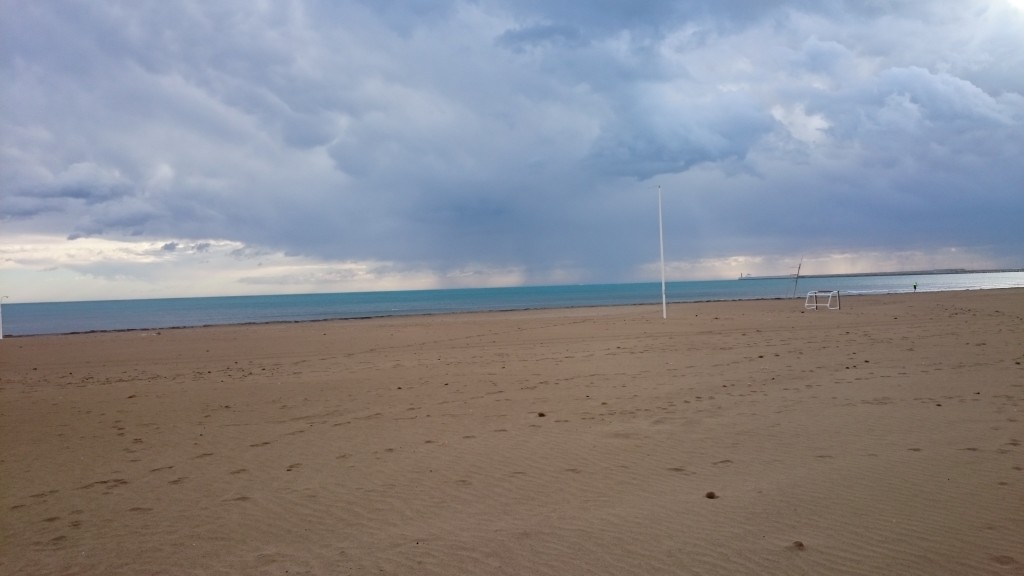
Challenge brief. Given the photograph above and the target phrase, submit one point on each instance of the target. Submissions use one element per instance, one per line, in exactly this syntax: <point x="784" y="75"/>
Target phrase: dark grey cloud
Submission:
<point x="662" y="135"/>
<point x="516" y="134"/>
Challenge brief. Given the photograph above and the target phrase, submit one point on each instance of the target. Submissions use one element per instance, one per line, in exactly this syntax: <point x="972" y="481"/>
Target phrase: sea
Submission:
<point x="28" y="319"/>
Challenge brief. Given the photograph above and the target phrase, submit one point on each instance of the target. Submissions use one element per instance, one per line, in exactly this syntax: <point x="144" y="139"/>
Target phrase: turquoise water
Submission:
<point x="71" y="317"/>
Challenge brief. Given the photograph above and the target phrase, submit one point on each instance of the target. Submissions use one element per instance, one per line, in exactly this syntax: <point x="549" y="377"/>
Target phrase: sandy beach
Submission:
<point x="732" y="438"/>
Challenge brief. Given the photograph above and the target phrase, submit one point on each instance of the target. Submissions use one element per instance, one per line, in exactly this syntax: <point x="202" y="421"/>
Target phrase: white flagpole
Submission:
<point x="661" y="242"/>
<point x="2" y="298"/>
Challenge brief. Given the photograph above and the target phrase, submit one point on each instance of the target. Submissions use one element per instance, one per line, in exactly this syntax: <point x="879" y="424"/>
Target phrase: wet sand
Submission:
<point x="733" y="438"/>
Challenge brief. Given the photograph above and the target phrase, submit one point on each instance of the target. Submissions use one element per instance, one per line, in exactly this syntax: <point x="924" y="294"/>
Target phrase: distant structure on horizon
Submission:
<point x="776" y="277"/>
<point x="861" y="274"/>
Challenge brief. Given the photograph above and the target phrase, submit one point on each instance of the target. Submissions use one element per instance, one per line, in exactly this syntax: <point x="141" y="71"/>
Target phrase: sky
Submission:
<point x="228" y="147"/>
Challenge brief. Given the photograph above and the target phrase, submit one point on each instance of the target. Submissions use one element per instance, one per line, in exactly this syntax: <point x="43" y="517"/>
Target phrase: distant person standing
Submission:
<point x="915" y="286"/>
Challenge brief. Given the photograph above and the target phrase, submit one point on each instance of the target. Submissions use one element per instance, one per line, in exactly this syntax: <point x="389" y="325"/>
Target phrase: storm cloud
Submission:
<point x="385" y="144"/>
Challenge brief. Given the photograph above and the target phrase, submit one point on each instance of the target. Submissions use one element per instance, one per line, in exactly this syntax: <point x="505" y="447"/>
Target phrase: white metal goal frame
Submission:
<point x="828" y="299"/>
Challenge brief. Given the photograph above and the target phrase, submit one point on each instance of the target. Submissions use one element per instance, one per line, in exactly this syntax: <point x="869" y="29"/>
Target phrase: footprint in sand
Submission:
<point x="44" y="494"/>
<point x="112" y="483"/>
<point x="680" y="470"/>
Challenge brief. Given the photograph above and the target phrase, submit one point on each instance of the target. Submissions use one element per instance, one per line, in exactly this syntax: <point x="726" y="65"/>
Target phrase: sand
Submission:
<point x="883" y="438"/>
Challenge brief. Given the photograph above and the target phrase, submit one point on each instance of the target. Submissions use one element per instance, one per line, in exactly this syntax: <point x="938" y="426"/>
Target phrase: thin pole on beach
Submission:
<point x="796" y="278"/>
<point x="661" y="242"/>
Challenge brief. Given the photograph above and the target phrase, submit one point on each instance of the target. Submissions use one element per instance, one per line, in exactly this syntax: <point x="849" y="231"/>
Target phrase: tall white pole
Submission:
<point x="661" y="243"/>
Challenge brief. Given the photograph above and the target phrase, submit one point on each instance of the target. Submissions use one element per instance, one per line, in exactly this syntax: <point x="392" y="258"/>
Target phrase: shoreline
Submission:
<point x="381" y="316"/>
<point x="851" y="294"/>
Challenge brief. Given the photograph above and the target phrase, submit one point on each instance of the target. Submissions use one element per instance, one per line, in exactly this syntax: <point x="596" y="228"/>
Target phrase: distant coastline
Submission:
<point x="28" y="319"/>
<point x="901" y="273"/>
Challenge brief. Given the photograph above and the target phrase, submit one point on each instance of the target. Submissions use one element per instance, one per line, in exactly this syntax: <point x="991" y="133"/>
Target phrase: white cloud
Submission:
<point x="39" y="268"/>
<point x="810" y="128"/>
<point x="813" y="261"/>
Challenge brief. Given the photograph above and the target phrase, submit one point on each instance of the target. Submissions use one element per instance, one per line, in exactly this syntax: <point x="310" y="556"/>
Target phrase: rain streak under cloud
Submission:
<point x="219" y="147"/>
